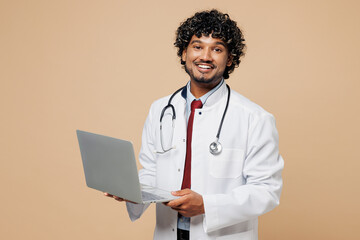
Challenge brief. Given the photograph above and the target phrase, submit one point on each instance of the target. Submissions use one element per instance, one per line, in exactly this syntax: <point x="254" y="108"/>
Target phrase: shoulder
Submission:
<point x="164" y="101"/>
<point x="261" y="124"/>
<point x="248" y="106"/>
<point x="161" y="101"/>
<point x="158" y="105"/>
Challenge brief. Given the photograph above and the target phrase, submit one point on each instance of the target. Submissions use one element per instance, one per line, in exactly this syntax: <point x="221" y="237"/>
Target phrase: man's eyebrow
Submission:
<point x="217" y="43"/>
<point x="221" y="43"/>
<point x="195" y="41"/>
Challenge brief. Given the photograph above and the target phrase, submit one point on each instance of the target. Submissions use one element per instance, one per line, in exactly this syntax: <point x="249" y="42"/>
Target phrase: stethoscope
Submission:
<point x="215" y="147"/>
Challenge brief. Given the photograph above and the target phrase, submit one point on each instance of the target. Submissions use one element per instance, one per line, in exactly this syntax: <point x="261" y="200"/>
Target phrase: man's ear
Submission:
<point x="183" y="55"/>
<point x="229" y="61"/>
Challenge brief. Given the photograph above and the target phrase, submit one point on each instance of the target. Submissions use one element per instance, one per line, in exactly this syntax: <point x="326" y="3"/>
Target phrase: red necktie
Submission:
<point x="187" y="170"/>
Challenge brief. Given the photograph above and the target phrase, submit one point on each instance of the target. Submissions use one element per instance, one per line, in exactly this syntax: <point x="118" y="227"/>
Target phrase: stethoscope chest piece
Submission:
<point x="215" y="148"/>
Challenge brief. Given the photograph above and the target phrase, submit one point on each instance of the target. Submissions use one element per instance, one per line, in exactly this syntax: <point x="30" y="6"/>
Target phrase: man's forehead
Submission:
<point x="207" y="39"/>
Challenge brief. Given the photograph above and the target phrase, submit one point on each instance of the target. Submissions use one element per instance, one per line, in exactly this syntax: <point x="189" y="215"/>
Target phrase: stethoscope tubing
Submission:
<point x="223" y="116"/>
<point x="215" y="147"/>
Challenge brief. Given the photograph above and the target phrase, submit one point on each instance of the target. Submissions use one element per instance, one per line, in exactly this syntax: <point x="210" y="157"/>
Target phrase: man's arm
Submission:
<point x="263" y="183"/>
<point x="261" y="192"/>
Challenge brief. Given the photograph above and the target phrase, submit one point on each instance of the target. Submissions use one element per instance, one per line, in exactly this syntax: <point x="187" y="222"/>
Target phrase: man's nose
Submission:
<point x="206" y="55"/>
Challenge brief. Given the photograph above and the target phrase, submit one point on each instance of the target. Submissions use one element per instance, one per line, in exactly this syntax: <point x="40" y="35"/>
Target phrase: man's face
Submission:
<point x="206" y="59"/>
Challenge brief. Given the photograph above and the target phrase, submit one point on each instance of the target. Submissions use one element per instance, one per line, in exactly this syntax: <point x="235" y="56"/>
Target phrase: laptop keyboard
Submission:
<point x="146" y="196"/>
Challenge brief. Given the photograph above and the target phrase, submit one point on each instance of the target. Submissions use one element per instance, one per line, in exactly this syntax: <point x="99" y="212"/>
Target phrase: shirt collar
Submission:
<point x="190" y="97"/>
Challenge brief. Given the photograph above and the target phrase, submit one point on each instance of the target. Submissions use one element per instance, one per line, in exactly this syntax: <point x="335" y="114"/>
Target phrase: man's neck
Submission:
<point x="199" y="89"/>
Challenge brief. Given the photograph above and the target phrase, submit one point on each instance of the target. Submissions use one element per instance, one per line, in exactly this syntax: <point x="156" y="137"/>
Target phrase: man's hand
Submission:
<point x="117" y="198"/>
<point x="189" y="204"/>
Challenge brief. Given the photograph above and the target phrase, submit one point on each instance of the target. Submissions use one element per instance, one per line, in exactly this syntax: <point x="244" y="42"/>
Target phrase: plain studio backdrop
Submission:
<point x="98" y="65"/>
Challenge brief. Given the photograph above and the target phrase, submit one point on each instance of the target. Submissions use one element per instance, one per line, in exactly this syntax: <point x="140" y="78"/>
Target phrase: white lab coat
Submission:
<point x="241" y="183"/>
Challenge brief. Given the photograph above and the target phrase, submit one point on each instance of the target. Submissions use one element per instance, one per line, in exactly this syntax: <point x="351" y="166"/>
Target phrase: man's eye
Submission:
<point x="197" y="47"/>
<point x="218" y="50"/>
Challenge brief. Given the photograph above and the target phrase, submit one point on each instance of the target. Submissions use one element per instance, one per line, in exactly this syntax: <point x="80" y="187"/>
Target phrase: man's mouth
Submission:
<point x="205" y="67"/>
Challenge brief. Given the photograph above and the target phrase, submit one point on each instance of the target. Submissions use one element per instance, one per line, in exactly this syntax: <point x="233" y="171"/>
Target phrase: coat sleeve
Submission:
<point x="262" y="175"/>
<point x="147" y="174"/>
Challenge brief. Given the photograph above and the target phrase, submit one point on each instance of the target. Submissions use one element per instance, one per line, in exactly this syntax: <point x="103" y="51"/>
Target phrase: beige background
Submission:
<point x="98" y="65"/>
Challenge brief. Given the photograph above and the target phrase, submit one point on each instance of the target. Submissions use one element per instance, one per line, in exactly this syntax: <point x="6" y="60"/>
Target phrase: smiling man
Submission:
<point x="205" y="61"/>
<point x="213" y="148"/>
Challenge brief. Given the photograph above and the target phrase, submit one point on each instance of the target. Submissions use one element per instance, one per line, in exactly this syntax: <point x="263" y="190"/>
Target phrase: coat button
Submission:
<point x="178" y="169"/>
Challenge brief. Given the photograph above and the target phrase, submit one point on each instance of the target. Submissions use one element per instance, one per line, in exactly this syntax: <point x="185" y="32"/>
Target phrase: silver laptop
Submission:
<point x="110" y="166"/>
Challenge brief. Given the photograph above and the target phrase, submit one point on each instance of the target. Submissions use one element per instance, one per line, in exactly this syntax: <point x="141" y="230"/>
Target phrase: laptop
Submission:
<point x="110" y="166"/>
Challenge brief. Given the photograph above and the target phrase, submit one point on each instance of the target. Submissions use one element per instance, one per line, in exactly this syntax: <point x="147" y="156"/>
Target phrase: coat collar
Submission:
<point x="213" y="98"/>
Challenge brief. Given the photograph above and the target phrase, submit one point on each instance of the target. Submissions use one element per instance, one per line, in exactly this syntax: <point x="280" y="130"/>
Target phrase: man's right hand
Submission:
<point x="117" y="198"/>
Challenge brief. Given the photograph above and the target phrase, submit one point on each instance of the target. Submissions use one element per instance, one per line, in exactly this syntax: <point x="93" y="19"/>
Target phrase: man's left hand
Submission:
<point x="189" y="204"/>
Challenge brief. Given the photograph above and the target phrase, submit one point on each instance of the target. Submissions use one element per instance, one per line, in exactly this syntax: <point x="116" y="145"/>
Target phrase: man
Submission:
<point x="221" y="191"/>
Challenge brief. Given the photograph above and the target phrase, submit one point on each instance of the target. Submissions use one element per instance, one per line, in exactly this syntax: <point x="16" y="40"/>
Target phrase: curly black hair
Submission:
<point x="216" y="24"/>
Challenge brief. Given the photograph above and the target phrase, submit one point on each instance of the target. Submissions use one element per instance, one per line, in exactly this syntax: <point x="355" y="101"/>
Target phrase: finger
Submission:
<point x="184" y="213"/>
<point x="177" y="209"/>
<point x="176" y="202"/>
<point x="123" y="199"/>
<point x="181" y="192"/>
<point x="173" y="203"/>
<point x="118" y="198"/>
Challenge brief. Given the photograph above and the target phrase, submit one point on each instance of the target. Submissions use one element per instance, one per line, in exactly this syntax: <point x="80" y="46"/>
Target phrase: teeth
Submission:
<point x="204" y="66"/>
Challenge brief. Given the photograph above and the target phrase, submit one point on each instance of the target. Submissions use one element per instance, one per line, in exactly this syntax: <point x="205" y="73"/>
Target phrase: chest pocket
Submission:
<point x="228" y="164"/>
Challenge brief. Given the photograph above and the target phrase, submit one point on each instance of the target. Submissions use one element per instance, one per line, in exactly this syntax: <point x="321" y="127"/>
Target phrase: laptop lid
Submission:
<point x="110" y="165"/>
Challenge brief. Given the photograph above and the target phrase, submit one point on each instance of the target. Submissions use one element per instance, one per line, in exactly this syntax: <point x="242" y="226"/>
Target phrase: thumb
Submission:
<point x="181" y="192"/>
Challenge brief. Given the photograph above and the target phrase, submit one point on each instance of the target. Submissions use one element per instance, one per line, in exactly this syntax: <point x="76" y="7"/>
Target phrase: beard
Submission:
<point x="216" y="78"/>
